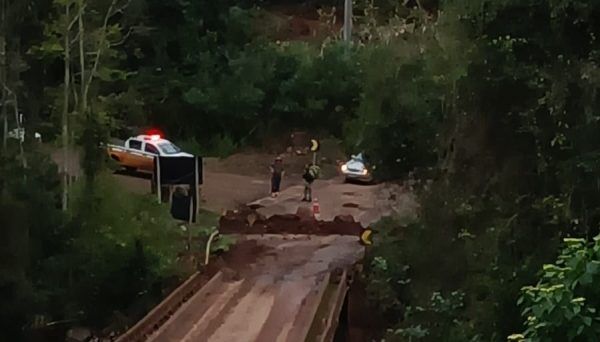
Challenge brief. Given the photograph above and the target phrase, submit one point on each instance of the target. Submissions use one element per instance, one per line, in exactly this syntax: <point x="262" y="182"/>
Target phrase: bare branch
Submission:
<point x="124" y="39"/>
<point x="122" y="8"/>
<point x="76" y="18"/>
<point x="75" y="40"/>
<point x="7" y="89"/>
<point x="75" y="97"/>
<point x="109" y="14"/>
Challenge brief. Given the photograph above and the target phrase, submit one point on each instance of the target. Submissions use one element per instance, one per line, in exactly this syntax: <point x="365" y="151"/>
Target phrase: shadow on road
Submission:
<point x="358" y="182"/>
<point x="136" y="174"/>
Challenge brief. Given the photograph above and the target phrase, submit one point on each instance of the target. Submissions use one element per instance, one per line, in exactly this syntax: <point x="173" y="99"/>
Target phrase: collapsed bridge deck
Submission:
<point x="273" y="294"/>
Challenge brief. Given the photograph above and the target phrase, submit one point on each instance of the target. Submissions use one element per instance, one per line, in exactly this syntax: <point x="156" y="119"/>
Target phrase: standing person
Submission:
<point x="311" y="172"/>
<point x="277" y="173"/>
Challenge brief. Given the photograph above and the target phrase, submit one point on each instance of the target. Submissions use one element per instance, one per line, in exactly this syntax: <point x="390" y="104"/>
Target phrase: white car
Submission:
<point x="356" y="169"/>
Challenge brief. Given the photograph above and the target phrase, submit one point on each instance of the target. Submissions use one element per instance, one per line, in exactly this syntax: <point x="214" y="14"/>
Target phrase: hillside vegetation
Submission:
<point x="495" y="102"/>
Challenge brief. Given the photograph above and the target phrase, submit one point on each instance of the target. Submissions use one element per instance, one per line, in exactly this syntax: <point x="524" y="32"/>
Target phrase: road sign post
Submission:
<point x="180" y="171"/>
<point x="158" y="184"/>
<point x="314" y="147"/>
<point x="197" y="184"/>
<point x="347" y="31"/>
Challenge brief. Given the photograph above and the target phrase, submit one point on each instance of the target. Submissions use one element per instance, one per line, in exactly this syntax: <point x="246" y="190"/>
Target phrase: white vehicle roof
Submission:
<point x="158" y="141"/>
<point x="151" y="138"/>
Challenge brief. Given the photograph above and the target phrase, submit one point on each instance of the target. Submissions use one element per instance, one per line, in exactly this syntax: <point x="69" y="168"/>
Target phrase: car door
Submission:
<point x="135" y="157"/>
<point x="150" y="151"/>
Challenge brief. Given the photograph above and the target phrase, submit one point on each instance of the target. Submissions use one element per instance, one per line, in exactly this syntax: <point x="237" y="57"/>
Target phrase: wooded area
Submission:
<point x="494" y="101"/>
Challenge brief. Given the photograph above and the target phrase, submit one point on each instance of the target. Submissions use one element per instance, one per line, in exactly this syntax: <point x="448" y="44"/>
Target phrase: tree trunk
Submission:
<point x="3" y="73"/>
<point x="83" y="108"/>
<point x="15" y="104"/>
<point x="15" y="78"/>
<point x="65" y="117"/>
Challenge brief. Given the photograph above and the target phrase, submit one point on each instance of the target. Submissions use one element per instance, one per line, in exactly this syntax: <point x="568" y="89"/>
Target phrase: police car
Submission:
<point x="137" y="153"/>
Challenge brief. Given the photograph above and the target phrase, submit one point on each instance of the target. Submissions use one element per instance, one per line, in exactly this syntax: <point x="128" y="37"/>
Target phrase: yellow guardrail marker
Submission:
<point x="365" y="237"/>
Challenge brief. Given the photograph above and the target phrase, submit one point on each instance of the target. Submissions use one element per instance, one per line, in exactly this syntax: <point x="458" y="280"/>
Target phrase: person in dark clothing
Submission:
<point x="311" y="172"/>
<point x="277" y="173"/>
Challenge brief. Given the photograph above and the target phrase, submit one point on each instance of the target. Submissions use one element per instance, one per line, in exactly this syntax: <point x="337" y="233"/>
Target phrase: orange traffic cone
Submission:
<point x="316" y="209"/>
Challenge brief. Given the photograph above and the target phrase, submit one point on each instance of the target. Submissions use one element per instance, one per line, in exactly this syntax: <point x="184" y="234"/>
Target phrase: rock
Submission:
<point x="230" y="215"/>
<point x="251" y="218"/>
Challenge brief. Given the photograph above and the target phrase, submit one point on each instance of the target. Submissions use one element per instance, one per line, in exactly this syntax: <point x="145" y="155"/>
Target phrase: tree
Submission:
<point x="563" y="305"/>
<point x="12" y="16"/>
<point x="3" y="70"/>
<point x="517" y="161"/>
<point x="76" y="33"/>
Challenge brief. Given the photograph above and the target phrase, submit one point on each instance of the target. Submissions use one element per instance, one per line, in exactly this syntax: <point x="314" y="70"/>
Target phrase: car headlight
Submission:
<point x="365" y="172"/>
<point x="344" y="168"/>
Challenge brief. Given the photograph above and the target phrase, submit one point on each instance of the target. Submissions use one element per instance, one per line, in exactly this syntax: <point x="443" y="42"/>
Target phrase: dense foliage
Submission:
<point x="563" y="305"/>
<point x="113" y="249"/>
<point x="495" y="101"/>
<point x="517" y="172"/>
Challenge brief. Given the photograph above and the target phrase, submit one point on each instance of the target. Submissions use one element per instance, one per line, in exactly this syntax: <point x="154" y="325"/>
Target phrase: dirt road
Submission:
<point x="273" y="292"/>
<point x="227" y="183"/>
<point x="273" y="298"/>
<point x="220" y="191"/>
<point x="242" y="179"/>
<point x="365" y="203"/>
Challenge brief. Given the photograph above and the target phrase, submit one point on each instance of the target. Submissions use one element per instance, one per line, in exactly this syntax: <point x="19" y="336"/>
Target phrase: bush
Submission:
<point x="398" y="115"/>
<point x="123" y="246"/>
<point x="222" y="146"/>
<point x="563" y="305"/>
<point x="31" y="233"/>
<point x="219" y="146"/>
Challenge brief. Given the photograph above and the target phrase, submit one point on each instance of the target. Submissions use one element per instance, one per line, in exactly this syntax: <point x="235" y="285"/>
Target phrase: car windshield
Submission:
<point x="169" y="148"/>
<point x="358" y="158"/>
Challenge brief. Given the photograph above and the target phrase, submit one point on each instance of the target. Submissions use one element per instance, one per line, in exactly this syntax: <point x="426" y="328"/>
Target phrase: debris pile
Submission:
<point x="248" y="221"/>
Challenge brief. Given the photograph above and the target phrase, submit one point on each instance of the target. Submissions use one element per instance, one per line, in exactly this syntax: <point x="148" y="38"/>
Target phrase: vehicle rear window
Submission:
<point x="169" y="148"/>
<point x="150" y="149"/>
<point x="135" y="144"/>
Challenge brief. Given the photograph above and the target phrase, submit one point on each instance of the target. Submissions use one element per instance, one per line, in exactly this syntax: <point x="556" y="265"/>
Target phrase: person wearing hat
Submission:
<point x="277" y="173"/>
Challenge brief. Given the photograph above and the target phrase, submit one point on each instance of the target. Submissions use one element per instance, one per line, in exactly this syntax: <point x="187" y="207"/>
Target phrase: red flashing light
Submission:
<point x="154" y="134"/>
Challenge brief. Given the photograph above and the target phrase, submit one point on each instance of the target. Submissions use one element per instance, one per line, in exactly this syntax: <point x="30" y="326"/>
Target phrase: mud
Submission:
<point x="248" y="221"/>
<point x="236" y="259"/>
<point x="269" y="290"/>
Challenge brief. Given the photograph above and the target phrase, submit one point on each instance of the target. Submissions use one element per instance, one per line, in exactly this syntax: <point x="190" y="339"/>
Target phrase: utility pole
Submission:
<point x="347" y="20"/>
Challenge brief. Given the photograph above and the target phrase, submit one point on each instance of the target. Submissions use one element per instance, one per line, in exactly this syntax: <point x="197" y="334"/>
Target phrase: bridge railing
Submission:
<point x="163" y="311"/>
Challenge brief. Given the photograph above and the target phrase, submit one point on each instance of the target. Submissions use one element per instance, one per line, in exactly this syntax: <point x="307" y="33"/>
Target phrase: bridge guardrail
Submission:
<point x="163" y="311"/>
